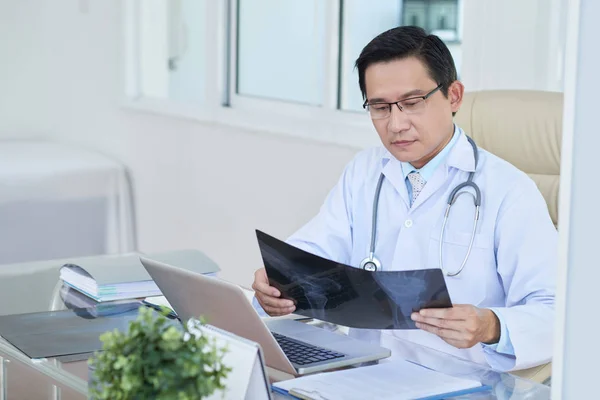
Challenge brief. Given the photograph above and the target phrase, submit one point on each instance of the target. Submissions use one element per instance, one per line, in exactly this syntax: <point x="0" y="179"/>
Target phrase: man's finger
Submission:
<point x="450" y="324"/>
<point x="277" y="312"/>
<point x="261" y="283"/>
<point x="274" y="301"/>
<point x="457" y="312"/>
<point x="441" y="332"/>
<point x="265" y="288"/>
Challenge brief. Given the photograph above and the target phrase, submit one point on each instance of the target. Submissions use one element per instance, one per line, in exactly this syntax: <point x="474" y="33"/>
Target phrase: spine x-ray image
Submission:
<point x="348" y="296"/>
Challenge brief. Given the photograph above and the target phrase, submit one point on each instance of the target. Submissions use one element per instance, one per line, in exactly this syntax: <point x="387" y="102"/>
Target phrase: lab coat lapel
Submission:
<point x="393" y="174"/>
<point x="460" y="157"/>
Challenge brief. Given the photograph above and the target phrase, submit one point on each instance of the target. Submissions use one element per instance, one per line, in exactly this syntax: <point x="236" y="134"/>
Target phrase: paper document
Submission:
<point x="392" y="380"/>
<point x="348" y="296"/>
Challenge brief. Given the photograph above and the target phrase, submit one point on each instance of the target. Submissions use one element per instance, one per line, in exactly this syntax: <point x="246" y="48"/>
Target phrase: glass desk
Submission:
<point x="502" y="385"/>
<point x="35" y="287"/>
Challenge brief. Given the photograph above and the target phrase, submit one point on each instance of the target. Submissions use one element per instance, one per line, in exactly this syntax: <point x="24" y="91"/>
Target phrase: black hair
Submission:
<point x="409" y="41"/>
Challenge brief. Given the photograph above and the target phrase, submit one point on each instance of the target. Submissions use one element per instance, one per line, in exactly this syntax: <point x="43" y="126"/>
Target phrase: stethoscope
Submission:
<point x="372" y="263"/>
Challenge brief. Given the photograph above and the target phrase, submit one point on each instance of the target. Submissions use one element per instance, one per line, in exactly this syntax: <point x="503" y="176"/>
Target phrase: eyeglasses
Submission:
<point x="412" y="105"/>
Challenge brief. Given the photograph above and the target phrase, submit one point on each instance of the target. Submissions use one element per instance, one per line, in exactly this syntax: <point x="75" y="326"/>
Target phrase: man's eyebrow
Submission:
<point x="415" y="92"/>
<point x="406" y="95"/>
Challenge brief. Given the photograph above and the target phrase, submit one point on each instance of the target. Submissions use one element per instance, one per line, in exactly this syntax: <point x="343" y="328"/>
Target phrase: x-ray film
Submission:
<point x="348" y="296"/>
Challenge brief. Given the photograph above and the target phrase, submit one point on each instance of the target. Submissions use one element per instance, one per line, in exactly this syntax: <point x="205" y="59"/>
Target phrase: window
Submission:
<point x="186" y="50"/>
<point x="278" y="65"/>
<point x="280" y="49"/>
<point x="363" y="20"/>
<point x="171" y="52"/>
<point x="438" y="17"/>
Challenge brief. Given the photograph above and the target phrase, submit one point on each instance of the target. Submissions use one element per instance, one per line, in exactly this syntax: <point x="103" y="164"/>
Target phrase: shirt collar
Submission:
<point x="428" y="169"/>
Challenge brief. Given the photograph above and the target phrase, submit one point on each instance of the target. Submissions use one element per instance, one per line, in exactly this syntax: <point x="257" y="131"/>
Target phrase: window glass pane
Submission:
<point x="362" y="21"/>
<point x="281" y="49"/>
<point x="415" y="13"/>
<point x="172" y="49"/>
<point x="187" y="50"/>
<point x="443" y="19"/>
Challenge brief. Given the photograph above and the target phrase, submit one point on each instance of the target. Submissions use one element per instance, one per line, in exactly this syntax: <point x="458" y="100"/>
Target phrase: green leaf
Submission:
<point x="157" y="359"/>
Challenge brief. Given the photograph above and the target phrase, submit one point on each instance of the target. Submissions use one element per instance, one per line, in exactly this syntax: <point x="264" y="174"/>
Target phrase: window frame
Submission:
<point x="459" y="20"/>
<point x="325" y="124"/>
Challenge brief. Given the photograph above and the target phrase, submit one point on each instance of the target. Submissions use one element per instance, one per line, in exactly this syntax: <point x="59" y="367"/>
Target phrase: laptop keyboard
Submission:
<point x="302" y="353"/>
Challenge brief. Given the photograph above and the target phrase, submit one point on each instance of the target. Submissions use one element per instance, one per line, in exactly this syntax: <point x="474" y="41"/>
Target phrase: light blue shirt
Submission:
<point x="511" y="268"/>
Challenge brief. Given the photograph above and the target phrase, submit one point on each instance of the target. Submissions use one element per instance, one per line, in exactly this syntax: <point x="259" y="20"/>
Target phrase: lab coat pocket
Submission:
<point x="469" y="286"/>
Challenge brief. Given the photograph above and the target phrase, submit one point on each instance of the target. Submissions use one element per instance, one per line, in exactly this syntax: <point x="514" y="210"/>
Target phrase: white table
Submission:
<point x="58" y="200"/>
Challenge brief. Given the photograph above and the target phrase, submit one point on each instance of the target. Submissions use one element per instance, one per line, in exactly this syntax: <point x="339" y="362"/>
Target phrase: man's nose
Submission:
<point x="399" y="121"/>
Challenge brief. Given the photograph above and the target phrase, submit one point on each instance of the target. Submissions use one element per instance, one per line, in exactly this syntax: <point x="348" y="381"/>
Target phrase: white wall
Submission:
<point x="23" y="82"/>
<point x="196" y="185"/>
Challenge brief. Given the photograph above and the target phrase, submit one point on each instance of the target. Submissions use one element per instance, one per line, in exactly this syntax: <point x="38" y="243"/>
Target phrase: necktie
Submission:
<point x="417" y="182"/>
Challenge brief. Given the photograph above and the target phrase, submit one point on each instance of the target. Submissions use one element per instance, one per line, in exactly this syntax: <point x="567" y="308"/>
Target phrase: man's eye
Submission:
<point x="411" y="103"/>
<point x="380" y="107"/>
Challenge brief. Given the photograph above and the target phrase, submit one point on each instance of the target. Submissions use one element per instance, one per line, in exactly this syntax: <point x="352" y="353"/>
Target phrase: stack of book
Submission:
<point x="110" y="278"/>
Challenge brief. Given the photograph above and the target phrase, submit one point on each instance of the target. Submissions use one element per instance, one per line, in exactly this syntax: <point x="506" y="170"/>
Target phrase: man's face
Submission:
<point x="419" y="136"/>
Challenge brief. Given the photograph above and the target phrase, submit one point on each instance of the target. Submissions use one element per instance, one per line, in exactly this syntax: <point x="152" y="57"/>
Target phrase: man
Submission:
<point x="503" y="294"/>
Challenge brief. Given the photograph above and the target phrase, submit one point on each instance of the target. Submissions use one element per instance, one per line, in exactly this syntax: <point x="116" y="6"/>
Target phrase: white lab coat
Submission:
<point x="512" y="264"/>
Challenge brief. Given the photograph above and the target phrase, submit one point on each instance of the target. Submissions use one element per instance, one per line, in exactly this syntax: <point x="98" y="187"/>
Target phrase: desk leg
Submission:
<point x="55" y="392"/>
<point x="3" y="378"/>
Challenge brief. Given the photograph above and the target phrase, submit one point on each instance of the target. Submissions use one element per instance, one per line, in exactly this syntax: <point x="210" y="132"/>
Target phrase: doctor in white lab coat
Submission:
<point x="504" y="296"/>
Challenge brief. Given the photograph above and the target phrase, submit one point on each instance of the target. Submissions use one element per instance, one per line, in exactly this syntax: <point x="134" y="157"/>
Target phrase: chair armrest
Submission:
<point x="540" y="374"/>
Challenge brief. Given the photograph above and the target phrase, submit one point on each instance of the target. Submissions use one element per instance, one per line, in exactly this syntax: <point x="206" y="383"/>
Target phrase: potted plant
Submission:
<point x="157" y="359"/>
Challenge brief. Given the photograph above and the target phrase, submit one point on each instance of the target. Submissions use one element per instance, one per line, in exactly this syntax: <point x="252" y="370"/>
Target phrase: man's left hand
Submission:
<point x="462" y="326"/>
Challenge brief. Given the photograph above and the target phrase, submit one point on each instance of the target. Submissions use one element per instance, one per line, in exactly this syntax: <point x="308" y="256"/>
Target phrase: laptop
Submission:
<point x="290" y="346"/>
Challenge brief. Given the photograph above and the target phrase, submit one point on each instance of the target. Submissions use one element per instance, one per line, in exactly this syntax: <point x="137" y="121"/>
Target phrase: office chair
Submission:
<point x="525" y="129"/>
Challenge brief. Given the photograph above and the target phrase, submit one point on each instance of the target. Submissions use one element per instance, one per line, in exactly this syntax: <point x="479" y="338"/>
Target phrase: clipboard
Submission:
<point x="400" y="379"/>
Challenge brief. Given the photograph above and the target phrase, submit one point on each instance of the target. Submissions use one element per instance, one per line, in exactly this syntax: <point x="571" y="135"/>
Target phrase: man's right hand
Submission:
<point x="268" y="296"/>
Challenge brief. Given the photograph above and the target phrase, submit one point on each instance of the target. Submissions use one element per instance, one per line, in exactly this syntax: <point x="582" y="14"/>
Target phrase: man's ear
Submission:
<point x="455" y="94"/>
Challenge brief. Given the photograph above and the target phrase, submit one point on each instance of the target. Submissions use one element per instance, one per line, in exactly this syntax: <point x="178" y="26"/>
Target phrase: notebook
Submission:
<point x="396" y="380"/>
<point x="248" y="379"/>
<point x="120" y="277"/>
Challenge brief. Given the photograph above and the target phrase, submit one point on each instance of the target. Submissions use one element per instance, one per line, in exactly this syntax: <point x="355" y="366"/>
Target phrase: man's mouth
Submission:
<point x="402" y="143"/>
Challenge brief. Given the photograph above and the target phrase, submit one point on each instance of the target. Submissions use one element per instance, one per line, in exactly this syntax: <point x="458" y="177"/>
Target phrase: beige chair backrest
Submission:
<point x="522" y="127"/>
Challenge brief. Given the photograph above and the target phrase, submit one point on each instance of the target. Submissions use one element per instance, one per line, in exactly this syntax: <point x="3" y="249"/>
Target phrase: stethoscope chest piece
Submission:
<point x="371" y="264"/>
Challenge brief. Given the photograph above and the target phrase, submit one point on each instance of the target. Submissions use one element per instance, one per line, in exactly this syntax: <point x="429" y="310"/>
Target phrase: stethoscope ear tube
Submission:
<point x="371" y="263"/>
